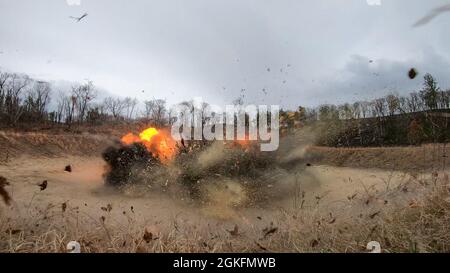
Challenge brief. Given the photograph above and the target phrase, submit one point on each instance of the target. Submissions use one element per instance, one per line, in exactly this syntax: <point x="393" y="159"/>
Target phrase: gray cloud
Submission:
<point x="363" y="78"/>
<point x="179" y="49"/>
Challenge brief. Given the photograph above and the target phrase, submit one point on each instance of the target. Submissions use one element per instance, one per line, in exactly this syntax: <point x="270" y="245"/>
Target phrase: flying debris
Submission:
<point x="431" y="15"/>
<point x="43" y="185"/>
<point x="3" y="193"/>
<point x="412" y="73"/>
<point x="78" y="19"/>
<point x="68" y="169"/>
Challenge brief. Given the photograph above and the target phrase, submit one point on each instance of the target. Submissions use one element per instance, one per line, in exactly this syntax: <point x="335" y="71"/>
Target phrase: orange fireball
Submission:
<point x="157" y="142"/>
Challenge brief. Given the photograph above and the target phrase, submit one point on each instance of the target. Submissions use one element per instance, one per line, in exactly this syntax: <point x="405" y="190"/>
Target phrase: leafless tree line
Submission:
<point x="83" y="106"/>
<point x="77" y="106"/>
<point x="430" y="97"/>
<point x="25" y="100"/>
<point x="22" y="98"/>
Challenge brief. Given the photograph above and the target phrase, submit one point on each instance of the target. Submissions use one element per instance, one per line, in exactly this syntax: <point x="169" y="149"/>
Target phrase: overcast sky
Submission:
<point x="288" y="52"/>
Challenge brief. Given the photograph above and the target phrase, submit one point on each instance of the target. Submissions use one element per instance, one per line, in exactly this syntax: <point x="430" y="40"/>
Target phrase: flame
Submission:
<point x="157" y="142"/>
<point x="244" y="143"/>
<point x="148" y="134"/>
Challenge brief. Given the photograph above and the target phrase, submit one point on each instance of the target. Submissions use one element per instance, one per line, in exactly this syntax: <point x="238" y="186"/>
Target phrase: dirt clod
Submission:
<point x="43" y="185"/>
<point x="5" y="195"/>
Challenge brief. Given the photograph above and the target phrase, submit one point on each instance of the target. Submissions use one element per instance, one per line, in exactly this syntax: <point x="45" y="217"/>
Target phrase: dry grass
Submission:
<point x="413" y="217"/>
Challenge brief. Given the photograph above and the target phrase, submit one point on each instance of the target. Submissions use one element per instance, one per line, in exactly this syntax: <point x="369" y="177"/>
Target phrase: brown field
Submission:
<point x="345" y="199"/>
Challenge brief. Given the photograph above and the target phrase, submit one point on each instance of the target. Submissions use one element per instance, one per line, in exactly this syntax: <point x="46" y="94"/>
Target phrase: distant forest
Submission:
<point x="420" y="117"/>
<point x="25" y="101"/>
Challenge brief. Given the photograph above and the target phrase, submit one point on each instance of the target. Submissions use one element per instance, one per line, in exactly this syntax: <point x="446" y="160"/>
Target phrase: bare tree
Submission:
<point x="365" y="108"/>
<point x="114" y="106"/>
<point x="403" y="105"/>
<point x="393" y="104"/>
<point x="356" y="110"/>
<point x="71" y="102"/>
<point x="61" y="103"/>
<point x="84" y="94"/>
<point x="37" y="101"/>
<point x="155" y="110"/>
<point x="448" y="98"/>
<point x="444" y="99"/>
<point x="4" y="77"/>
<point x="15" y="86"/>
<point x="204" y="113"/>
<point x="379" y="107"/>
<point x="172" y="115"/>
<point x="413" y="102"/>
<point x="130" y="106"/>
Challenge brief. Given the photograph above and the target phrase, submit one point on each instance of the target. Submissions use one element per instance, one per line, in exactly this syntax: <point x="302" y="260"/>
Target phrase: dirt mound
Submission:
<point x="128" y="163"/>
<point x="426" y="157"/>
<point x="50" y="145"/>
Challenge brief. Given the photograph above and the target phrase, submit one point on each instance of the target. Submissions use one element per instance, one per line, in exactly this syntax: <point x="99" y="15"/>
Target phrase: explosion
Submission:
<point x="159" y="143"/>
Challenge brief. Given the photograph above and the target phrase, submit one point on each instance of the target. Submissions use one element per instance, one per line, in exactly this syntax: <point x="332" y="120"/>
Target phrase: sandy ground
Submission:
<point x="84" y="189"/>
<point x="312" y="194"/>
